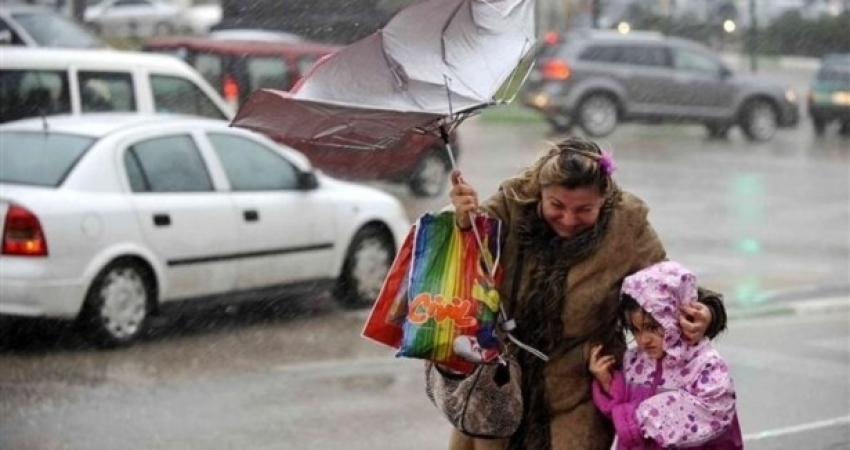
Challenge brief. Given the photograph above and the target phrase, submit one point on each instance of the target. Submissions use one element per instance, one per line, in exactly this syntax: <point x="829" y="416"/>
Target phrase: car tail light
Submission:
<point x="551" y="38"/>
<point x="555" y="69"/>
<point x="22" y="233"/>
<point x="230" y="90"/>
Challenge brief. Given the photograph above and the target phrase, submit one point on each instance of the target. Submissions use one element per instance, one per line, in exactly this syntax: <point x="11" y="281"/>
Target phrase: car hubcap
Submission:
<point x="432" y="175"/>
<point x="762" y="122"/>
<point x="371" y="264"/>
<point x="124" y="303"/>
<point x="599" y="115"/>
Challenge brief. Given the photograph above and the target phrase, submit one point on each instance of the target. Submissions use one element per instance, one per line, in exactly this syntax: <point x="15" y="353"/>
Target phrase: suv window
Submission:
<point x="29" y="93"/>
<point x="637" y="55"/>
<point x="209" y="66"/>
<point x="166" y="164"/>
<point x="106" y="91"/>
<point x="270" y="73"/>
<point x="8" y="35"/>
<point x="692" y="61"/>
<point x="253" y="167"/>
<point x="180" y="96"/>
<point x="601" y="53"/>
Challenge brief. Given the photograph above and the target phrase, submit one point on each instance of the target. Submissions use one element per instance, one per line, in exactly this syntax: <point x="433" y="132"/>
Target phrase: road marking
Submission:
<point x="802" y="428"/>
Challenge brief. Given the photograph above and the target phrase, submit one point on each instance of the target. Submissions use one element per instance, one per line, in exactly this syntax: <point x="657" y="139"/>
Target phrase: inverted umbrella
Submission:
<point x="434" y="64"/>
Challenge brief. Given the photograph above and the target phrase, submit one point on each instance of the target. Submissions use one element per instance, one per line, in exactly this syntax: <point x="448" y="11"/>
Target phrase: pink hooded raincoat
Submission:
<point x="684" y="400"/>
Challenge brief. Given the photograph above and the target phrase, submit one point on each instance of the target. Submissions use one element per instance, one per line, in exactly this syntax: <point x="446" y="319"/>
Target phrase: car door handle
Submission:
<point x="251" y="215"/>
<point x="161" y="220"/>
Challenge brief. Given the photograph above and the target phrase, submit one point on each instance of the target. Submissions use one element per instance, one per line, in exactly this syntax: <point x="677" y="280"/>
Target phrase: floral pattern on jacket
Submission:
<point x="693" y="402"/>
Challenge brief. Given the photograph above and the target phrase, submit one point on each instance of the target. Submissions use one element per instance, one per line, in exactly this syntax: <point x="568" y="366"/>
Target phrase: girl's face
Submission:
<point x="570" y="211"/>
<point x="648" y="333"/>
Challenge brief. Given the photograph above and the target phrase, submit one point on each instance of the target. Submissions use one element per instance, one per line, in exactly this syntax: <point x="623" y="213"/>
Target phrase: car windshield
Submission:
<point x="39" y="159"/>
<point x="50" y="30"/>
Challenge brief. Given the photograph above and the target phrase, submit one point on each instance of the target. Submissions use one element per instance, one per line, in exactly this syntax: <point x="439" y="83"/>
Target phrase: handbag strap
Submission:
<point x="509" y="324"/>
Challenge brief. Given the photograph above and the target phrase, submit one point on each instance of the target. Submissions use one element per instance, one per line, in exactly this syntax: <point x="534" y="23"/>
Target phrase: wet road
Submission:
<point x="764" y="223"/>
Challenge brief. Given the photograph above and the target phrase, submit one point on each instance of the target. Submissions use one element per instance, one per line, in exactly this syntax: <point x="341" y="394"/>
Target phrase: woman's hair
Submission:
<point x="571" y="163"/>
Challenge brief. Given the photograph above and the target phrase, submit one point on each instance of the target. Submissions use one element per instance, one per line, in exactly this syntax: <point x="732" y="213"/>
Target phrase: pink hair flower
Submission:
<point x="607" y="164"/>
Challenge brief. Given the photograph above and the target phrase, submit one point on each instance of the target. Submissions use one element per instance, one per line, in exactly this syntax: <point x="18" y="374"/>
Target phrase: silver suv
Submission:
<point x="597" y="79"/>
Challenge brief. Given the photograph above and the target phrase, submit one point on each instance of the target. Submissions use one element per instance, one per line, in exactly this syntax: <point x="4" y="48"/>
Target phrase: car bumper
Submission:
<point x="829" y="112"/>
<point x="26" y="291"/>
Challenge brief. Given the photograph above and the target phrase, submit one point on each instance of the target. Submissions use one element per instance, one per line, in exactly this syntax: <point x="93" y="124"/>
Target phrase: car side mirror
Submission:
<point x="307" y="181"/>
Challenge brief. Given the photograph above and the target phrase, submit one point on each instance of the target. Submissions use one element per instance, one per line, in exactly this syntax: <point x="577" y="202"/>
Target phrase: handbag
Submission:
<point x="488" y="402"/>
<point x="484" y="404"/>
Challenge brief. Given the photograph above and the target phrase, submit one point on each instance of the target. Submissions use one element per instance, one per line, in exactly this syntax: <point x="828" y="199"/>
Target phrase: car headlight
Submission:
<point x="791" y="96"/>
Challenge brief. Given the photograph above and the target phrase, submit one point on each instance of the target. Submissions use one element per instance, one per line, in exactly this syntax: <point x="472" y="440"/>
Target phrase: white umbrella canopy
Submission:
<point x="433" y="64"/>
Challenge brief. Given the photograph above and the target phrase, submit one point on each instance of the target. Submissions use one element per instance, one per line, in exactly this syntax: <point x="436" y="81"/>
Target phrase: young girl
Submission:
<point x="669" y="393"/>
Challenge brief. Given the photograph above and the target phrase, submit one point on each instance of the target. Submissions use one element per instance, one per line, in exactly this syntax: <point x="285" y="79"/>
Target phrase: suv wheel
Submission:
<point x="430" y="177"/>
<point x="366" y="266"/>
<point x="759" y="120"/>
<point x="597" y="115"/>
<point x="117" y="306"/>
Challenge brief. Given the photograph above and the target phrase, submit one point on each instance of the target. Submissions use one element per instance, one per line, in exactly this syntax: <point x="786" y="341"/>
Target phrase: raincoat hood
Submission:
<point x="660" y="289"/>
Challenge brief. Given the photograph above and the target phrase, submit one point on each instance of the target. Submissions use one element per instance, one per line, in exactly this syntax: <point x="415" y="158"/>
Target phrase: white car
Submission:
<point x="108" y="219"/>
<point x="135" y="18"/>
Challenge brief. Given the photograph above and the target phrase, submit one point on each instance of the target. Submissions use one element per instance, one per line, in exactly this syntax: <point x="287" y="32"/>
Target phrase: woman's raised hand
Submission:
<point x="464" y="199"/>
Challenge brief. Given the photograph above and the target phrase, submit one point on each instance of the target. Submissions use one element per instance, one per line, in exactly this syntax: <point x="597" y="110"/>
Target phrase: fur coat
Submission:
<point x="567" y="300"/>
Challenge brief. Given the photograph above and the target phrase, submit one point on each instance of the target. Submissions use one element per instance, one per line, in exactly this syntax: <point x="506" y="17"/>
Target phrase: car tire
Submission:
<point x="759" y="120"/>
<point x="431" y="175"/>
<point x="366" y="265"/>
<point x="163" y="29"/>
<point x="118" y="304"/>
<point x="597" y="115"/>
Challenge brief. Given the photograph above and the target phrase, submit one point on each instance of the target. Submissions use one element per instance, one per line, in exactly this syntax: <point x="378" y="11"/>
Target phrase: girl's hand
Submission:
<point x="464" y="199"/>
<point x="600" y="366"/>
<point x="694" y="319"/>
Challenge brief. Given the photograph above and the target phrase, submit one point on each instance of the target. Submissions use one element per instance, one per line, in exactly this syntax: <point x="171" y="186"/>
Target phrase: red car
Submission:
<point x="239" y="67"/>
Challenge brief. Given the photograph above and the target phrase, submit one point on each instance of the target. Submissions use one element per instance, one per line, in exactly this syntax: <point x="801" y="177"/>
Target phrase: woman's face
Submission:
<point x="570" y="211"/>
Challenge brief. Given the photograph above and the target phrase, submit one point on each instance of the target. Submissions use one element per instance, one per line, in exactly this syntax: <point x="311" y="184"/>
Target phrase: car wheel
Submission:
<point x="717" y="131"/>
<point x="759" y="120"/>
<point x="431" y="175"/>
<point x="117" y="306"/>
<point x="366" y="265"/>
<point x="597" y="115"/>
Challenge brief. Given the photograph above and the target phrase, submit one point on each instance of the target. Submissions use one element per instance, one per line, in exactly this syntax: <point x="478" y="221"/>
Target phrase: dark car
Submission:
<point x="597" y="79"/>
<point x="239" y="67"/>
<point x="829" y="96"/>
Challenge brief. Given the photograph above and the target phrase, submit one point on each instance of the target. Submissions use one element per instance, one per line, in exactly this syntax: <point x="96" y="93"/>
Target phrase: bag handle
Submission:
<point x="509" y="325"/>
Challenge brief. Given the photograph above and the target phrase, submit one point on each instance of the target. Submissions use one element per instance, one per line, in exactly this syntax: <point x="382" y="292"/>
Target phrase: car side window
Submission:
<point x="176" y="95"/>
<point x="166" y="164"/>
<point x="272" y="73"/>
<point x="251" y="166"/>
<point x="601" y="53"/>
<point x="106" y="91"/>
<point x="695" y="62"/>
<point x="8" y="35"/>
<point x="304" y="63"/>
<point x="637" y="55"/>
<point x="30" y="93"/>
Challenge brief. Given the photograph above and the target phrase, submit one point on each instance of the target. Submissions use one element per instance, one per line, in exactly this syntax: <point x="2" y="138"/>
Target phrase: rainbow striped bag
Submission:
<point x="445" y="308"/>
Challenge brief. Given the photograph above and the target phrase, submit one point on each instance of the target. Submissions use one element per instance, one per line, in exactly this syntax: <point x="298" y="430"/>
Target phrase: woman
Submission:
<point x="573" y="235"/>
